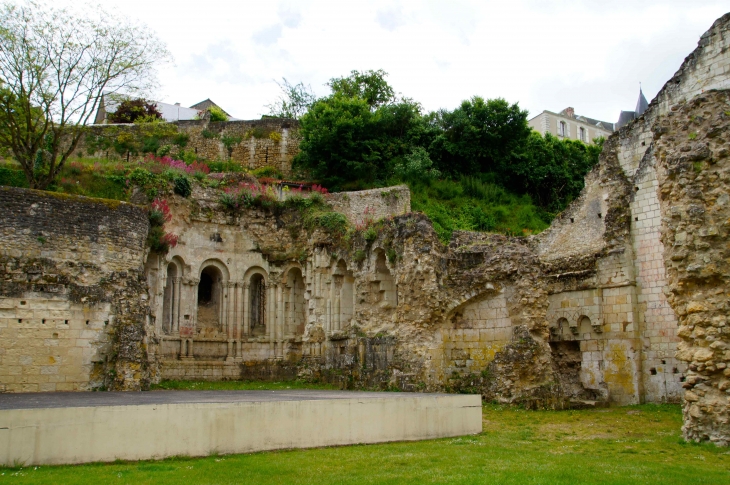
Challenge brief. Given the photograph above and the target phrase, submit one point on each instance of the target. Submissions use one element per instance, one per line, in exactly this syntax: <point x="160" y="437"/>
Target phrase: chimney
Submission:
<point x="177" y="104"/>
<point x="569" y="112"/>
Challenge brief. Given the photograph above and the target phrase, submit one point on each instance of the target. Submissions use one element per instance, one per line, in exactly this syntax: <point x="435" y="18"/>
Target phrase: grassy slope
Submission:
<point x="474" y="204"/>
<point x="638" y="444"/>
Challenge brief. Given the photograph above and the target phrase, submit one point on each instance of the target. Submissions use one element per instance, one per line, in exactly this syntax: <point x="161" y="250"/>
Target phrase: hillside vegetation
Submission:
<point x="478" y="167"/>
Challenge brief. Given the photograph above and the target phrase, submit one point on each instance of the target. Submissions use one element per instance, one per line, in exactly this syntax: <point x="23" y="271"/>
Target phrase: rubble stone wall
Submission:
<point x="692" y="144"/>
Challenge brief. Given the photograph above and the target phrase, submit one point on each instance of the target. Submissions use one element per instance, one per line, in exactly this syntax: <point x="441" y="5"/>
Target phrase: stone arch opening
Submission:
<point x="344" y="302"/>
<point x="257" y="304"/>
<point x="584" y="325"/>
<point x="170" y="300"/>
<point x="294" y="303"/>
<point x="210" y="290"/>
<point x="382" y="286"/>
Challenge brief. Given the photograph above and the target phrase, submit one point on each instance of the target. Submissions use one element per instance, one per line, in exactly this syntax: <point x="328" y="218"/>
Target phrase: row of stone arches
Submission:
<point x="215" y="306"/>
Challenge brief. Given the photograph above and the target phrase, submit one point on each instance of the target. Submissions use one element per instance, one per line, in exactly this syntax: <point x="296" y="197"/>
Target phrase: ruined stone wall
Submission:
<point x="72" y="293"/>
<point x="692" y="145"/>
<point x="373" y="205"/>
<point x="264" y="143"/>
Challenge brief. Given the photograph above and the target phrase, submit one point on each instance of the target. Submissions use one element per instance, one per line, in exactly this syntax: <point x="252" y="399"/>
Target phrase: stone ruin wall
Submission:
<point x="585" y="310"/>
<point x="72" y="293"/>
<point x="692" y="149"/>
<point x="251" y="152"/>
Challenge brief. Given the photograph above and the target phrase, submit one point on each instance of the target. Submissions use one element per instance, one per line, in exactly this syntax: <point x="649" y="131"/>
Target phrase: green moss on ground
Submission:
<point x="637" y="444"/>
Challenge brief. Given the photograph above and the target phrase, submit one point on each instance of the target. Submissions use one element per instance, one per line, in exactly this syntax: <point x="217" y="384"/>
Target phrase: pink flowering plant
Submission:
<point x="158" y="240"/>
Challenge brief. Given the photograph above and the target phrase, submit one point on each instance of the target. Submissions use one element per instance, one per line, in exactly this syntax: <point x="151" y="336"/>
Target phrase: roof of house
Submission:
<point x="169" y="112"/>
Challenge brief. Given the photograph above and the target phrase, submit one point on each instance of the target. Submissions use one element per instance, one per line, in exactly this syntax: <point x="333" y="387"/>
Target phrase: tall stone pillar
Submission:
<point x="279" y="321"/>
<point x="175" y="328"/>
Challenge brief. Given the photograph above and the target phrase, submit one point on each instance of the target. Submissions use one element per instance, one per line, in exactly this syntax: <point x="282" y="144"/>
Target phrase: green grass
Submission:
<point x="637" y="444"/>
<point x="238" y="385"/>
<point x="476" y="203"/>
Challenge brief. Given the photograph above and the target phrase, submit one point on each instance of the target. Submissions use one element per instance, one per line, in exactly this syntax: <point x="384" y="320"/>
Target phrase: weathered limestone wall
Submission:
<point x="72" y="297"/>
<point x="692" y="144"/>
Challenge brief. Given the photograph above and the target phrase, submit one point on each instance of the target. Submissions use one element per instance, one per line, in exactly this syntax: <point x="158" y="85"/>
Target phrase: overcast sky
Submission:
<point x="543" y="54"/>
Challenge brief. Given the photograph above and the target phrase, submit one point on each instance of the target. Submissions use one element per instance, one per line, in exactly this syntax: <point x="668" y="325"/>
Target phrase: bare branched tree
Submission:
<point x="54" y="66"/>
<point x="294" y="101"/>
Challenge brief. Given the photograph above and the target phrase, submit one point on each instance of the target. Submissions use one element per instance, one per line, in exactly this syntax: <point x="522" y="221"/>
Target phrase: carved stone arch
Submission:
<point x="256" y="285"/>
<point x="255" y="270"/>
<point x="454" y="311"/>
<point x="293" y="288"/>
<point x="478" y="293"/>
<point x="593" y="320"/>
<point x="287" y="269"/>
<point x="211" y="298"/>
<point x="217" y="263"/>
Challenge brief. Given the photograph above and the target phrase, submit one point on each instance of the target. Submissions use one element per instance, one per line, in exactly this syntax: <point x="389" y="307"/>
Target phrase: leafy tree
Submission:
<point x="346" y="144"/>
<point x="370" y="86"/>
<point x="479" y="136"/>
<point x="294" y="101"/>
<point x="216" y="114"/>
<point x="131" y="110"/>
<point x="55" y="64"/>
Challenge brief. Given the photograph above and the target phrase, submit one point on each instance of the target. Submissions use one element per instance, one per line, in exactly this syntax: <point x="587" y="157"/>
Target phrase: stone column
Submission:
<point x="271" y="314"/>
<point x="292" y="297"/>
<point x="175" y="328"/>
<point x="242" y="319"/>
<point x="280" y="321"/>
<point x="246" y="311"/>
<point x="338" y="315"/>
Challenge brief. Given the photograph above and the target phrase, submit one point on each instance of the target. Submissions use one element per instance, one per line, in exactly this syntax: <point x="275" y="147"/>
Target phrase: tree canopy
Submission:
<point x="55" y="64"/>
<point x="362" y="135"/>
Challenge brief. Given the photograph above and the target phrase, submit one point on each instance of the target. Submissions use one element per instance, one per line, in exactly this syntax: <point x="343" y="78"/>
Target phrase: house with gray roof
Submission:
<point x="568" y="125"/>
<point x="170" y="112"/>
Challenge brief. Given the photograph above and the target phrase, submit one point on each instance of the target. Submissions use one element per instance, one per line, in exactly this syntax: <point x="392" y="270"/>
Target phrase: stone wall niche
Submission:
<point x="257" y="305"/>
<point x="294" y="314"/>
<point x="382" y="286"/>
<point x="344" y="295"/>
<point x="211" y="301"/>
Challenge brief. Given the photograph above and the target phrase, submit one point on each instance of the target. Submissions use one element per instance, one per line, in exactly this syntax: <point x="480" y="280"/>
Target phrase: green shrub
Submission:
<point x="359" y="256"/>
<point x="370" y="234"/>
<point x="181" y="186"/>
<point x="181" y="140"/>
<point x="12" y="178"/>
<point x="217" y="114"/>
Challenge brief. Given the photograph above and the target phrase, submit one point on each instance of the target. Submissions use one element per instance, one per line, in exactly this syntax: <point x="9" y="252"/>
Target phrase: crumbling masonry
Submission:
<point x="623" y="299"/>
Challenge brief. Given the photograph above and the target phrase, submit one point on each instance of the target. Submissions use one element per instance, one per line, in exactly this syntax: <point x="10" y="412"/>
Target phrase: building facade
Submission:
<point x="567" y="125"/>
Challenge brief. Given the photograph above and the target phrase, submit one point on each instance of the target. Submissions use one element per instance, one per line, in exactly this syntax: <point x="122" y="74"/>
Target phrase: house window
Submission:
<point x="562" y="129"/>
<point x="582" y="133"/>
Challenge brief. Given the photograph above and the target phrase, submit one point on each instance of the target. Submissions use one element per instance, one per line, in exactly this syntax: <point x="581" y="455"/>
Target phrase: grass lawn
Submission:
<point x="637" y="444"/>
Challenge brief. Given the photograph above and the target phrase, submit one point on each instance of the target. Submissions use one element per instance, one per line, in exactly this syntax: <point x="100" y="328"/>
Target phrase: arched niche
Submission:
<point x="170" y="298"/>
<point x="344" y="295"/>
<point x="295" y="316"/>
<point x="210" y="299"/>
<point x="257" y="303"/>
<point x="564" y="328"/>
<point x="382" y="286"/>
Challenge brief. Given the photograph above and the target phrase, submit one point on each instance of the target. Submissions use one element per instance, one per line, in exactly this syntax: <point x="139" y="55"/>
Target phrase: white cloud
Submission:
<point x="544" y="55"/>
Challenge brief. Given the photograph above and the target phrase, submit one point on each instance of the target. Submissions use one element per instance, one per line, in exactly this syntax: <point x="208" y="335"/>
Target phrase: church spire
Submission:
<point x="641" y="104"/>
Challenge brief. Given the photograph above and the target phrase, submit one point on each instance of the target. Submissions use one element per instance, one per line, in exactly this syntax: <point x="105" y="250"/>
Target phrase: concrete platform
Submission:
<point x="58" y="428"/>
